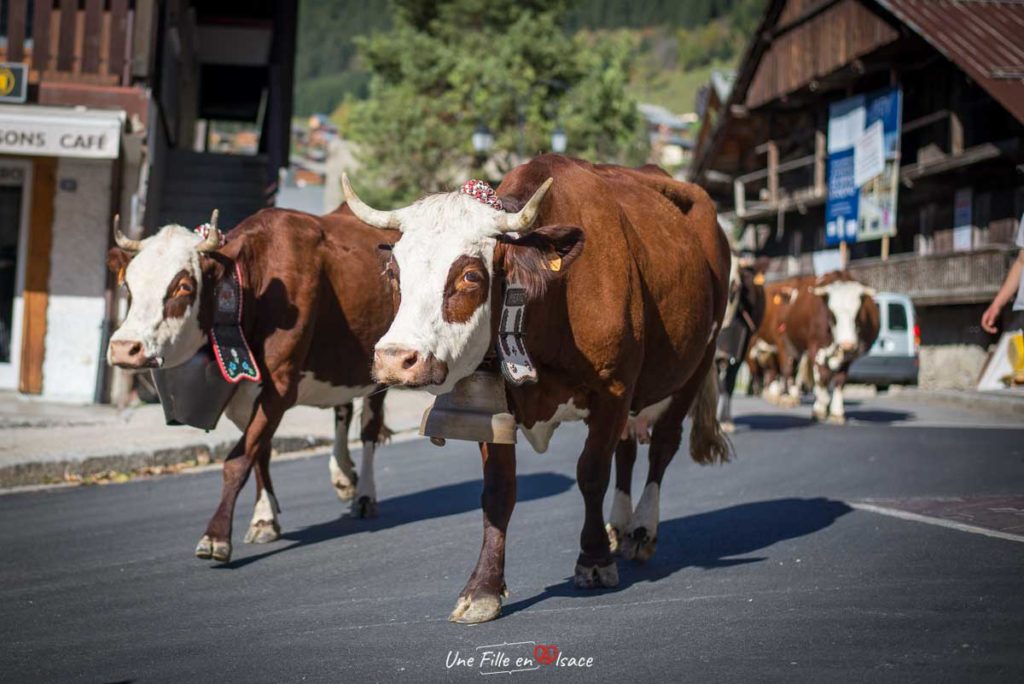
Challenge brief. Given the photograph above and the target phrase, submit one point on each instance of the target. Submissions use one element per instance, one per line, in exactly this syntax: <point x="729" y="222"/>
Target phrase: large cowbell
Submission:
<point x="475" y="410"/>
<point x="194" y="393"/>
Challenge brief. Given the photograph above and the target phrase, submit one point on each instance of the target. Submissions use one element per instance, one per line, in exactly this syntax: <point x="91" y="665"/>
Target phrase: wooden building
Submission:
<point x="105" y="106"/>
<point x="959" y="67"/>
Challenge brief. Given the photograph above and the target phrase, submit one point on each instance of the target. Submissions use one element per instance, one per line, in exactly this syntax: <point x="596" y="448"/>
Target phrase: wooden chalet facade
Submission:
<point x="112" y="120"/>
<point x="960" y="70"/>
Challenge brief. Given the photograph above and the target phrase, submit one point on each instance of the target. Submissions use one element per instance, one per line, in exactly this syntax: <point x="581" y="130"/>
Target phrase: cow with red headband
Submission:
<point x="621" y="276"/>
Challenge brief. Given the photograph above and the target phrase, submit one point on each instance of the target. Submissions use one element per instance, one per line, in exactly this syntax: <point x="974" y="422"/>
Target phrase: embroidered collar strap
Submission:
<point x="234" y="357"/>
<point x="516" y="365"/>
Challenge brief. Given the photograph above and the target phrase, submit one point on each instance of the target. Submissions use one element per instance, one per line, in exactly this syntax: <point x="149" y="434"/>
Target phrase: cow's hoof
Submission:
<point x="837" y="420"/>
<point x="639" y="546"/>
<point x="345" y="491"/>
<point x="263" y="532"/>
<point x="819" y="416"/>
<point x="789" y="401"/>
<point x="212" y="549"/>
<point x="728" y="427"/>
<point x="614" y="537"/>
<point x="472" y="610"/>
<point x="364" y="507"/>
<point x="596" y="576"/>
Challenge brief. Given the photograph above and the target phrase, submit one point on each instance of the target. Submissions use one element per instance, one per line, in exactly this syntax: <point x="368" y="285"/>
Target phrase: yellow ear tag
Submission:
<point x="777" y="299"/>
<point x="759" y="279"/>
<point x="554" y="261"/>
<point x="120" y="275"/>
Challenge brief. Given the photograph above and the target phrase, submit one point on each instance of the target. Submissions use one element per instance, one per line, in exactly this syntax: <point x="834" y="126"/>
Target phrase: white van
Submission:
<point x="893" y="359"/>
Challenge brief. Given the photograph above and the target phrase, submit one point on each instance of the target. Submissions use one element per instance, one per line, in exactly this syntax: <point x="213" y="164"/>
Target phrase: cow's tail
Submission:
<point x="708" y="443"/>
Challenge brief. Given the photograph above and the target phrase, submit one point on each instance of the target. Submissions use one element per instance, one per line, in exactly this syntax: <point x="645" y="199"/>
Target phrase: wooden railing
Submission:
<point x="950" y="278"/>
<point x="82" y="41"/>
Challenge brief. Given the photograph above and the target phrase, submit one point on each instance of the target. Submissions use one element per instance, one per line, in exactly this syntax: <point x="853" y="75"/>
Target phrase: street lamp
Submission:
<point x="559" y="140"/>
<point x="483" y="139"/>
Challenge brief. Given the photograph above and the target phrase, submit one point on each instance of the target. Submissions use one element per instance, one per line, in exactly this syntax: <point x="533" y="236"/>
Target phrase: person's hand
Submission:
<point x="988" y="319"/>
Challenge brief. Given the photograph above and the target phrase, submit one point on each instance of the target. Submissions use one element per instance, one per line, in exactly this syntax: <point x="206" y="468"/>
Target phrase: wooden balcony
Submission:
<point x="85" y="42"/>
<point x="951" y="278"/>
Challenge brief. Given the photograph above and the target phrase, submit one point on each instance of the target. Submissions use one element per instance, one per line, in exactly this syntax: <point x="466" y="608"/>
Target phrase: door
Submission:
<point x="894" y="337"/>
<point x="15" y="181"/>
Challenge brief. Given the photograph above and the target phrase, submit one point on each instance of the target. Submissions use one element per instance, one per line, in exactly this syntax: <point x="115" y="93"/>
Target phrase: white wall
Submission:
<point x="74" y="316"/>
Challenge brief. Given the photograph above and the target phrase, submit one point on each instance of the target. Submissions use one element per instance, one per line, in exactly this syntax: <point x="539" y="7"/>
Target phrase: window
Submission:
<point x="897" y="317"/>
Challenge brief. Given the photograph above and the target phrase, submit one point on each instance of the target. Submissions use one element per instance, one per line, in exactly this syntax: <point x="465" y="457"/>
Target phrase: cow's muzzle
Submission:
<point x="394" y="365"/>
<point x="131" y="355"/>
<point x="848" y="347"/>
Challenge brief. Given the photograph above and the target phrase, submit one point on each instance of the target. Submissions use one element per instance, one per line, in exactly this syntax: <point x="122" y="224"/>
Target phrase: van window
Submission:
<point x="897" y="316"/>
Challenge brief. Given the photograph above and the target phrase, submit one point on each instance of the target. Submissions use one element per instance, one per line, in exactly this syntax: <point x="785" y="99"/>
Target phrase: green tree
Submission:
<point x="447" y="66"/>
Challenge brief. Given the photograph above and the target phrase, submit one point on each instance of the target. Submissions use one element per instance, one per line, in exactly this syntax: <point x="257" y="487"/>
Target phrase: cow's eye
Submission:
<point x="184" y="289"/>
<point x="474" y="277"/>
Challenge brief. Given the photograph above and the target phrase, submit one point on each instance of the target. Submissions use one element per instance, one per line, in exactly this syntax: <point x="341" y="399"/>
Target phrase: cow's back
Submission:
<point x="651" y="280"/>
<point x="324" y="266"/>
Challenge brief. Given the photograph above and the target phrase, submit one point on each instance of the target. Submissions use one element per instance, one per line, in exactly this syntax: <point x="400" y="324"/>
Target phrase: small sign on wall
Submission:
<point x="963" y="220"/>
<point x="13" y="82"/>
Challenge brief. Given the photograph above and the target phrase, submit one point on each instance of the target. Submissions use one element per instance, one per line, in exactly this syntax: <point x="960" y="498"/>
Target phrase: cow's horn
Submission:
<point x="122" y="240"/>
<point x="212" y="241"/>
<point x="387" y="220"/>
<point x="521" y="221"/>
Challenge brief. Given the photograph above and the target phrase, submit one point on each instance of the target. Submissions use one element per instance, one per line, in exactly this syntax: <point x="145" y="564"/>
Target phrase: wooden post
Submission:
<point x="844" y="255"/>
<point x="956" y="134"/>
<point x="820" y="159"/>
<point x="773" y="171"/>
<point x="739" y="197"/>
<point x="885" y="248"/>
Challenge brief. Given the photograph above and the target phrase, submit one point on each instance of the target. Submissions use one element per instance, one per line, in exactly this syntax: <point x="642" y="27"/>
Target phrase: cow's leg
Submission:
<point x="255" y="443"/>
<point x="373" y="433"/>
<point x="480" y="600"/>
<point x="726" y="385"/>
<point x="595" y="566"/>
<point x="790" y="383"/>
<point x="622" y="502"/>
<point x="821" y="393"/>
<point x="264" y="527"/>
<point x="837" y="408"/>
<point x="343" y="470"/>
<point x="641" y="539"/>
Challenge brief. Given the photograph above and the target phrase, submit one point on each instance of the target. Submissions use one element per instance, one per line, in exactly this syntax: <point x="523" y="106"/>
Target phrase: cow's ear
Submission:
<point x="539" y="257"/>
<point x="117" y="262"/>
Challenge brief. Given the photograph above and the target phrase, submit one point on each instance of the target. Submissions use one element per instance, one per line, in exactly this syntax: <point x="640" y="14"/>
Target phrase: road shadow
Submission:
<point x="716" y="539"/>
<point x="759" y="422"/>
<point x="436" y="502"/>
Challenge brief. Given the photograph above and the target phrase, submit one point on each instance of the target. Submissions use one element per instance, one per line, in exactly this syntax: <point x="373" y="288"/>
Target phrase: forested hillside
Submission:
<point x="675" y="43"/>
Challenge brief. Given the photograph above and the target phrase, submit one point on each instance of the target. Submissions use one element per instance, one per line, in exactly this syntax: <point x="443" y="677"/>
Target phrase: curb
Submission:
<point x="992" y="402"/>
<point x="71" y="469"/>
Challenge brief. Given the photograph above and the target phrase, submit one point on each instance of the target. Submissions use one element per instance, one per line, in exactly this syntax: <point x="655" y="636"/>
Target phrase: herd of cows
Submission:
<point x="637" y="315"/>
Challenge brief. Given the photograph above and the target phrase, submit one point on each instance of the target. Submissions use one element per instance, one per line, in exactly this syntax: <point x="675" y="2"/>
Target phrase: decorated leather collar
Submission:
<point x="230" y="348"/>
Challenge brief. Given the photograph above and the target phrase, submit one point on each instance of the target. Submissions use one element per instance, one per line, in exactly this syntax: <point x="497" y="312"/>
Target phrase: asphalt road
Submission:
<point x="764" y="570"/>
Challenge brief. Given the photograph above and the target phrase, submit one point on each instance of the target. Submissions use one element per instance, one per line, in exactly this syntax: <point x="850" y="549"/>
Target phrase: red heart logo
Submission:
<point x="545" y="655"/>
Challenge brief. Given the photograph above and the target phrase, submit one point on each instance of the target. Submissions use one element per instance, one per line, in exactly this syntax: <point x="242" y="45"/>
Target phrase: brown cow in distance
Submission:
<point x="626" y="277"/>
<point x="826" y="323"/>
<point x="313" y="305"/>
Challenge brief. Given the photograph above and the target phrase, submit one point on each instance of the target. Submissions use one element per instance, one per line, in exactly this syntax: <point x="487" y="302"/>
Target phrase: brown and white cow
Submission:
<point x="826" y="324"/>
<point x="626" y="274"/>
<point x="314" y="304"/>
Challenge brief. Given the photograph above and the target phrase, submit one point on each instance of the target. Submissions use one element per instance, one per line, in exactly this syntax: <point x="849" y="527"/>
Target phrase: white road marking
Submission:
<point x="940" y="522"/>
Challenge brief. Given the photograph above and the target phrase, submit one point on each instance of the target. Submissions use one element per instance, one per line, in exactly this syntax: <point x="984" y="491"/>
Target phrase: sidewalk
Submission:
<point x="42" y="443"/>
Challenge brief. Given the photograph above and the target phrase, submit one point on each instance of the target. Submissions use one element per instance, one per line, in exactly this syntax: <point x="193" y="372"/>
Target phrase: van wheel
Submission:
<point x="882" y="388"/>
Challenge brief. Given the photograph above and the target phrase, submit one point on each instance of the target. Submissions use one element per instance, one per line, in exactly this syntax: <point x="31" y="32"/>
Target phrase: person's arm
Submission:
<point x="1006" y="292"/>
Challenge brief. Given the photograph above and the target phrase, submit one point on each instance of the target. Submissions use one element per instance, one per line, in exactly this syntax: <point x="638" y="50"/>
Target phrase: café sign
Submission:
<point x="60" y="132"/>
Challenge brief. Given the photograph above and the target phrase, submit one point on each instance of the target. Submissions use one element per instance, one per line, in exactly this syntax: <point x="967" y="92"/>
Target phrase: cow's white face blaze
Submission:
<point x="844" y="299"/>
<point x="164" y="281"/>
<point x="446" y="250"/>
